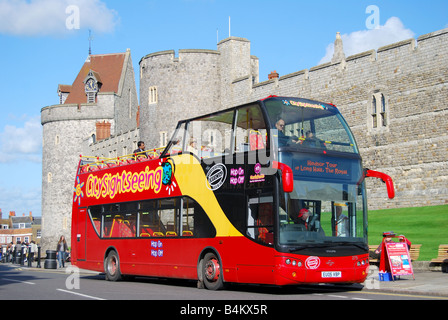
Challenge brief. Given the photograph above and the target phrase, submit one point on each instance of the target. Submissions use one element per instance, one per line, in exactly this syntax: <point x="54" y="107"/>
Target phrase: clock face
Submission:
<point x="91" y="85"/>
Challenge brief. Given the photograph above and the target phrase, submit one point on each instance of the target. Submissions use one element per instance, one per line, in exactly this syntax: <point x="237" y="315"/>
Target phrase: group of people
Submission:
<point x="387" y="238"/>
<point x="15" y="253"/>
<point x="22" y="252"/>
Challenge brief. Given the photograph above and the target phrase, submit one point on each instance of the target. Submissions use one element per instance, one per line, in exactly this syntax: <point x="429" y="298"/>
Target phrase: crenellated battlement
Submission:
<point x="69" y="112"/>
<point x="434" y="44"/>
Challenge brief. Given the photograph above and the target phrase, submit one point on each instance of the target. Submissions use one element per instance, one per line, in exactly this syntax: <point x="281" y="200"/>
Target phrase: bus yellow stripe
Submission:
<point x="193" y="183"/>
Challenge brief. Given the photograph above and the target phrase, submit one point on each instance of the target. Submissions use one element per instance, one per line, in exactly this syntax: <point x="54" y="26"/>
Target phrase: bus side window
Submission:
<point x="260" y="220"/>
<point x="149" y="222"/>
<point x="188" y="217"/>
<point x="95" y="215"/>
<point x="169" y="217"/>
<point x="250" y="131"/>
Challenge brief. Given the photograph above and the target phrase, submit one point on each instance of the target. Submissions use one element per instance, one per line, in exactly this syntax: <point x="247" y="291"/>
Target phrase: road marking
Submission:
<point x="339" y="297"/>
<point x="80" y="294"/>
<point x="13" y="280"/>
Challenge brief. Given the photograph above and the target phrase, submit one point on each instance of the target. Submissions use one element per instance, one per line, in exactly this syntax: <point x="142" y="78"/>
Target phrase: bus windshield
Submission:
<point x="317" y="212"/>
<point x="302" y="123"/>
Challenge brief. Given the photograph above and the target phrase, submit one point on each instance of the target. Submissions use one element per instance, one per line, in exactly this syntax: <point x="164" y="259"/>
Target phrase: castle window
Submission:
<point x="374" y="117"/>
<point x="378" y="111"/>
<point x="153" y="96"/>
<point x="163" y="135"/>
<point x="383" y="111"/>
<point x="91" y="97"/>
<point x="50" y="177"/>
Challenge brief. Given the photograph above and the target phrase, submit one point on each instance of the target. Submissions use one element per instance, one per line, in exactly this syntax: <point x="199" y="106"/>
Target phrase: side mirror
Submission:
<point x="385" y="178"/>
<point x="287" y="176"/>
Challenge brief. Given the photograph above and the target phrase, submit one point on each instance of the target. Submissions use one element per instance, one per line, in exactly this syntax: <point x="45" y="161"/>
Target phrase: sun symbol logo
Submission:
<point x="168" y="174"/>
<point x="78" y="191"/>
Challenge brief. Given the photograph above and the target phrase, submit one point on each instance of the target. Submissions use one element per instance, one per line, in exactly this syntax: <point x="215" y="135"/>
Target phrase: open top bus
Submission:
<point x="271" y="192"/>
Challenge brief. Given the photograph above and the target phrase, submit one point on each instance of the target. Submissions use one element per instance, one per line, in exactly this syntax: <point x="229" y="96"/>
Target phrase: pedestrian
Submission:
<point x="387" y="238"/>
<point x="61" y="251"/>
<point x="17" y="252"/>
<point x="32" y="250"/>
<point x="10" y="252"/>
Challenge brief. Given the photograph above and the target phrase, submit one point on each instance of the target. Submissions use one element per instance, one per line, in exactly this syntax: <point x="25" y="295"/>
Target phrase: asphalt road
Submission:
<point x="21" y="284"/>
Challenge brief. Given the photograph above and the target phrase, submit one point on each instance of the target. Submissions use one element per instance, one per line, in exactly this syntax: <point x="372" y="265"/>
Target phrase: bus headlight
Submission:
<point x="293" y="262"/>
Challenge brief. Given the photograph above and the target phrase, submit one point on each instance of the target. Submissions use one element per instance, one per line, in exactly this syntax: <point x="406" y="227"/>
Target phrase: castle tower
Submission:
<point x="237" y="65"/>
<point x="175" y="88"/>
<point x="194" y="83"/>
<point x="103" y="92"/>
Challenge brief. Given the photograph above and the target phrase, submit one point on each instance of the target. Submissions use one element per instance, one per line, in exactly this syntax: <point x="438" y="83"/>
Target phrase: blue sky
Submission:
<point x="44" y="43"/>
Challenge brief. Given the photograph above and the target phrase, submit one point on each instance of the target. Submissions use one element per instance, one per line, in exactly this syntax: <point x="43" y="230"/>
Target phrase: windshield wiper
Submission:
<point x="360" y="246"/>
<point x="320" y="245"/>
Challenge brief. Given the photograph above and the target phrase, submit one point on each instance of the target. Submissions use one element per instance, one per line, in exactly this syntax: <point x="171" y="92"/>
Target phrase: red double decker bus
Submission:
<point x="271" y="192"/>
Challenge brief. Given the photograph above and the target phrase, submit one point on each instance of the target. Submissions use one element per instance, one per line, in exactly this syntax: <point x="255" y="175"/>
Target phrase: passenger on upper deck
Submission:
<point x="140" y="152"/>
<point x="311" y="141"/>
<point x="192" y="147"/>
<point x="177" y="146"/>
<point x="282" y="138"/>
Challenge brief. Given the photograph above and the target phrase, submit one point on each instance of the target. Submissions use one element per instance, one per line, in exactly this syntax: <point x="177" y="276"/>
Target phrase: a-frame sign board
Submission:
<point x="395" y="259"/>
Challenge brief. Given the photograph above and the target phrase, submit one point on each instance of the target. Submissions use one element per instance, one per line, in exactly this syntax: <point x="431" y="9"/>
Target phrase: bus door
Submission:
<point x="81" y="238"/>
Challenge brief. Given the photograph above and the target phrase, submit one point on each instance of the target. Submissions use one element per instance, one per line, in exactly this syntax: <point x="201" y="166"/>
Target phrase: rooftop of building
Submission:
<point x="107" y="68"/>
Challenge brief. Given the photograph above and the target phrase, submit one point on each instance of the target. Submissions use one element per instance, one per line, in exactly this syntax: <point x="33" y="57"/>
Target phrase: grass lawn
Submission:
<point x="427" y="226"/>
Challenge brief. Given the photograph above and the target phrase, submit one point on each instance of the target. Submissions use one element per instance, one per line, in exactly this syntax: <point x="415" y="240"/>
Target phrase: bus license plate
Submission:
<point x="331" y="274"/>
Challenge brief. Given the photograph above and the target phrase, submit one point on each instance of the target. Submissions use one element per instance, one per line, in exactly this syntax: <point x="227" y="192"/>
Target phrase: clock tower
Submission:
<point x="92" y="84"/>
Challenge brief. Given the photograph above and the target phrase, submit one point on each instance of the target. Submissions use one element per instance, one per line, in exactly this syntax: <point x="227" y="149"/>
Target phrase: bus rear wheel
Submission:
<point x="212" y="272"/>
<point x="112" y="266"/>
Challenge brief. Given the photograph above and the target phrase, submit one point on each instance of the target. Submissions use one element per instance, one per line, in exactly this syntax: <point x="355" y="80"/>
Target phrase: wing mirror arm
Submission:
<point x="385" y="178"/>
<point x="287" y="176"/>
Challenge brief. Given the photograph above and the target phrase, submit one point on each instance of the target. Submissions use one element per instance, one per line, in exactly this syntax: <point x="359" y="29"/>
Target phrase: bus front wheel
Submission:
<point x="112" y="266"/>
<point x="212" y="272"/>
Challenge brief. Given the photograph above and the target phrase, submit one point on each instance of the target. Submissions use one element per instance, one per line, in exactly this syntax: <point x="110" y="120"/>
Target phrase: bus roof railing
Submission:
<point x="92" y="163"/>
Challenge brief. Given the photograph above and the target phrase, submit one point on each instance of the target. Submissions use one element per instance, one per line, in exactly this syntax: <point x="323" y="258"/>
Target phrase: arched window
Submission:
<point x="153" y="95"/>
<point x="374" y="115"/>
<point x="383" y="111"/>
<point x="378" y="111"/>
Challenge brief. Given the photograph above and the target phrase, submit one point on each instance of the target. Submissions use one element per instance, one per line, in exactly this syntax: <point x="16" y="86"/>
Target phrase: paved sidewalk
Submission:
<point x="434" y="283"/>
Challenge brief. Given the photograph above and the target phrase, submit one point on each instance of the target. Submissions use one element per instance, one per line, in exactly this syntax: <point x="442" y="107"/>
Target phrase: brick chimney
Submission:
<point x="138" y="117"/>
<point x="102" y="130"/>
<point x="1" y="214"/>
<point x="273" y="75"/>
<point x="12" y="213"/>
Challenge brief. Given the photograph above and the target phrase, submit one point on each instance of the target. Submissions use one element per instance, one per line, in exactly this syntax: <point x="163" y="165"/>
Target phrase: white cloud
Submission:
<point x="54" y="17"/>
<point x="22" y="143"/>
<point x="360" y="41"/>
<point x="21" y="200"/>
